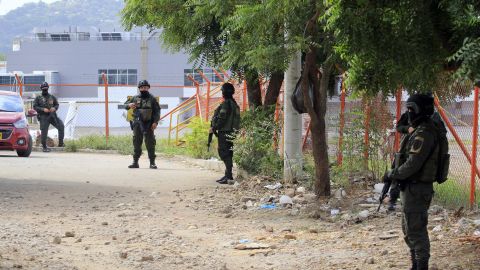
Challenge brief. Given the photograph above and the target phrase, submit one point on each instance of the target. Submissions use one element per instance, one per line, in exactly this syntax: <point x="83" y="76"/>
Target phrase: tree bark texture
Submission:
<point x="317" y="111"/>
<point x="273" y="90"/>
<point x="253" y="89"/>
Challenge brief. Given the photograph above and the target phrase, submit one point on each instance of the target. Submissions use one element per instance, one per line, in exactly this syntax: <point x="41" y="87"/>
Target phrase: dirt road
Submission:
<point x="88" y="211"/>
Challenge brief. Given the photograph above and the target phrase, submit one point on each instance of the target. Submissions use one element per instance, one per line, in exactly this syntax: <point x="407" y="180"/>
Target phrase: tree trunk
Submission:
<point x="273" y="90"/>
<point x="253" y="89"/>
<point x="318" y="110"/>
<point x="319" y="139"/>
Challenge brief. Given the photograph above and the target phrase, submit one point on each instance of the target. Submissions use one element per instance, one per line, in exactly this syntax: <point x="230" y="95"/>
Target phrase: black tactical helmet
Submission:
<point x="421" y="104"/>
<point x="44" y="85"/>
<point x="143" y="83"/>
<point x="228" y="89"/>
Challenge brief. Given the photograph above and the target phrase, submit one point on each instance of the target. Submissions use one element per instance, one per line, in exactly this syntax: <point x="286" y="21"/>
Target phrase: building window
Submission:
<point x="60" y="37"/>
<point x="111" y="36"/>
<point x="208" y="72"/>
<point x="37" y="80"/>
<point x="7" y="79"/>
<point x="83" y="36"/>
<point x="118" y="76"/>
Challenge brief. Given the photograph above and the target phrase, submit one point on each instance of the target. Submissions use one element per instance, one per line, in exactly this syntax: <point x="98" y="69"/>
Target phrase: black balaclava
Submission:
<point x="228" y="90"/>
<point x="44" y="91"/>
<point x="144" y="94"/>
<point x="420" y="107"/>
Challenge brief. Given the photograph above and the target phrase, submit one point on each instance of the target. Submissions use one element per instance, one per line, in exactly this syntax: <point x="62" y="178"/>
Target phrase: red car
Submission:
<point x="14" y="134"/>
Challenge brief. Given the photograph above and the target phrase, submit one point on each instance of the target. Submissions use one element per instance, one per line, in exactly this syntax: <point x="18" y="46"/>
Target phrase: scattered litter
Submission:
<point x="284" y="200"/>
<point x="268" y="206"/>
<point x="437" y="228"/>
<point x="243" y="241"/>
<point x="251" y="246"/>
<point x="273" y="187"/>
<point x="378" y="187"/>
<point x="334" y="212"/>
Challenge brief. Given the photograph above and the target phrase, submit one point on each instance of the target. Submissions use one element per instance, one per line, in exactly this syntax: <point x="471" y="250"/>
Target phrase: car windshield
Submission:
<point x="11" y="104"/>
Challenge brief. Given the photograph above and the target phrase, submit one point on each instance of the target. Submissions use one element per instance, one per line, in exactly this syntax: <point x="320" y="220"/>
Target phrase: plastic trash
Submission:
<point x="284" y="199"/>
<point x="334" y="212"/>
<point x="378" y="187"/>
<point x="273" y="187"/>
<point x="243" y="241"/>
<point x="268" y="206"/>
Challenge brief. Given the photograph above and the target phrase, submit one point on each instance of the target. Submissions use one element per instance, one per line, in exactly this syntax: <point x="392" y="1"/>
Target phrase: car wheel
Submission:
<point x="26" y="153"/>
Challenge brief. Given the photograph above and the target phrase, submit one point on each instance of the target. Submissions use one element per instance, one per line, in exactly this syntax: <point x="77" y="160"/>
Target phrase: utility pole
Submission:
<point x="144" y="56"/>
<point x="292" y="128"/>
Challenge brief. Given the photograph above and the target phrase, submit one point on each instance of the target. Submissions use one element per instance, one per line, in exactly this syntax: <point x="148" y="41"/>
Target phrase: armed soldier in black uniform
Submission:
<point x="416" y="171"/>
<point x="46" y="106"/>
<point x="225" y="122"/>
<point x="146" y="116"/>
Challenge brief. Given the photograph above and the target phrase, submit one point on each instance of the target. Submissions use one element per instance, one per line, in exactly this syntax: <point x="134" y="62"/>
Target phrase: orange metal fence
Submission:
<point x="460" y="116"/>
<point x="99" y="113"/>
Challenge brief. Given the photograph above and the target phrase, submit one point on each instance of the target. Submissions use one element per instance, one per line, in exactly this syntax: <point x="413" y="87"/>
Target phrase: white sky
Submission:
<point x="7" y="5"/>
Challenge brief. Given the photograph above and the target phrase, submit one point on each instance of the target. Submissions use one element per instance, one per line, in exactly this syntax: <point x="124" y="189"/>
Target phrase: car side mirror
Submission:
<point x="31" y="113"/>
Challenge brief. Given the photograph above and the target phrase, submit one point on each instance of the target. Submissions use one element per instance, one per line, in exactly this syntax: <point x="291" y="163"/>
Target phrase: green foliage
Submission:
<point x="379" y="145"/>
<point x="122" y="144"/>
<point x="189" y="25"/>
<point x="339" y="176"/>
<point x="196" y="139"/>
<point x="353" y="140"/>
<point x="71" y="146"/>
<point x="453" y="194"/>
<point x="405" y="42"/>
<point x="169" y="149"/>
<point x="2" y="57"/>
<point x="469" y="56"/>
<point x="253" y="148"/>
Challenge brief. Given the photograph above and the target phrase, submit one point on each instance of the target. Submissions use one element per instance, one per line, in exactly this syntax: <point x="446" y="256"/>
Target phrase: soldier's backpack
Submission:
<point x="443" y="155"/>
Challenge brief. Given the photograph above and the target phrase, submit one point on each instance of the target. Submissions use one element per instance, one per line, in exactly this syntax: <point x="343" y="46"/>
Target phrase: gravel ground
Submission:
<point x="88" y="211"/>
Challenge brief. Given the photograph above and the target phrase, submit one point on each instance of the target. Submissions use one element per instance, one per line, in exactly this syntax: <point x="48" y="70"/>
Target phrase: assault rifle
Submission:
<point x="210" y="138"/>
<point x="386" y="188"/>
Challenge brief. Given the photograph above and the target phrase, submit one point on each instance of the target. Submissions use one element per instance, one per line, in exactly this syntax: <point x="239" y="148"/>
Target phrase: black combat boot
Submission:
<point x="152" y="164"/>
<point x="134" y="165"/>
<point x="221" y="179"/>
<point x="45" y="149"/>
<point x="61" y="144"/>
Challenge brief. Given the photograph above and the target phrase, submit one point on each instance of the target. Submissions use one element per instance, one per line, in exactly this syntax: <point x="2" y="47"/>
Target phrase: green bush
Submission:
<point x="253" y="148"/>
<point x="453" y="194"/>
<point x="122" y="144"/>
<point x="196" y="139"/>
<point x="71" y="146"/>
<point x="169" y="149"/>
<point x="354" y="141"/>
